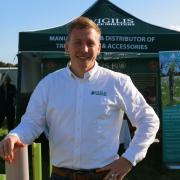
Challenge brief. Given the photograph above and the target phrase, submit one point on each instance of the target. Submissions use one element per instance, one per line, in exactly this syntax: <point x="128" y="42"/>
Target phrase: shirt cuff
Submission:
<point x="133" y="158"/>
<point x="13" y="134"/>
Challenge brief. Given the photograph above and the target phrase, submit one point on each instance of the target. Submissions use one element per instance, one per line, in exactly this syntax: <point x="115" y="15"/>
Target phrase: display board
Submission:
<point x="170" y="92"/>
<point x="50" y="65"/>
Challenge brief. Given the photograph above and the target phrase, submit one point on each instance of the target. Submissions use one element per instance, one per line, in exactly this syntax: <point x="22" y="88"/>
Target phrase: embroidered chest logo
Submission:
<point x="99" y="93"/>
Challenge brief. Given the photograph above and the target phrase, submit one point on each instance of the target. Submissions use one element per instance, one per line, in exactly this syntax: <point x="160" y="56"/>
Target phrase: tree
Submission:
<point x="3" y="64"/>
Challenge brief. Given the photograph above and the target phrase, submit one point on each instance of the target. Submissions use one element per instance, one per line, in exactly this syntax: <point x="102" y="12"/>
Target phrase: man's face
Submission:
<point x="83" y="47"/>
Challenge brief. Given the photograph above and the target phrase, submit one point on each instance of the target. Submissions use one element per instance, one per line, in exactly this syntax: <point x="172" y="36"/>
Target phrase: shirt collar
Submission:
<point x="87" y="76"/>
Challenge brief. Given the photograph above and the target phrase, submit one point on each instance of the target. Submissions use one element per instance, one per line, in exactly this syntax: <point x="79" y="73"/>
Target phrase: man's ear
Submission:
<point x="99" y="49"/>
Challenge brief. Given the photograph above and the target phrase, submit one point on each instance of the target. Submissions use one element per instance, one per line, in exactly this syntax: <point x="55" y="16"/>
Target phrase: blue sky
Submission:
<point x="27" y="15"/>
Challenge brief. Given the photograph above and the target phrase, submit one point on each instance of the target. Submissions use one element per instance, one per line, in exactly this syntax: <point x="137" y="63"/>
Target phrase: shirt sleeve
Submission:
<point x="33" y="121"/>
<point x="143" y="117"/>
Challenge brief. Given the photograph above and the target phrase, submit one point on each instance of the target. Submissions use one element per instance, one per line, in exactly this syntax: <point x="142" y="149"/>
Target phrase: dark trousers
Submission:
<point x="90" y="176"/>
<point x="56" y="177"/>
<point x="10" y="115"/>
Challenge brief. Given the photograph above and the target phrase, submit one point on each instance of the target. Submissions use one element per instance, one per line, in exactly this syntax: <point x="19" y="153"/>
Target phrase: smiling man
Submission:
<point x="83" y="46"/>
<point x="83" y="105"/>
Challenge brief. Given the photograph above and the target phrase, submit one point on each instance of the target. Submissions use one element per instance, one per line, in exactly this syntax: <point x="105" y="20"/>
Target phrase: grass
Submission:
<point x="3" y="132"/>
<point x="151" y="168"/>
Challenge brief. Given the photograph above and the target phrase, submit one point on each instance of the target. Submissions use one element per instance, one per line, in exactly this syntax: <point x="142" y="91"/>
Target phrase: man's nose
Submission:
<point x="84" y="48"/>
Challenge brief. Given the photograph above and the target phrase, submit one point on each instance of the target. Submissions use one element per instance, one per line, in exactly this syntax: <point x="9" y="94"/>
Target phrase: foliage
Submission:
<point x="166" y="92"/>
<point x="3" y="64"/>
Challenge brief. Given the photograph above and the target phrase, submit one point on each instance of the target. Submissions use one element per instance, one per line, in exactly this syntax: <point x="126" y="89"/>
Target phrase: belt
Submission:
<point x="79" y="174"/>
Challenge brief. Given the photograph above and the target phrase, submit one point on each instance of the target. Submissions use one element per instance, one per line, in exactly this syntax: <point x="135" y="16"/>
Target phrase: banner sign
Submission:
<point x="170" y="92"/>
<point x="147" y="43"/>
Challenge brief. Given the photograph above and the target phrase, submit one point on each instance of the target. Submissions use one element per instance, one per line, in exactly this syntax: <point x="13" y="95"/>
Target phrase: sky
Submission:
<point x="31" y="15"/>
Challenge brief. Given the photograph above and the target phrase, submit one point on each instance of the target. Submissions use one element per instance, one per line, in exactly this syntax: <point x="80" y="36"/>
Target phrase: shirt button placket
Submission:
<point x="78" y="121"/>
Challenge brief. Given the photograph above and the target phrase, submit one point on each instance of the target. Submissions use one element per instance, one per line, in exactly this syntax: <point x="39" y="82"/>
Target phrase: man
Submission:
<point x="7" y="101"/>
<point x="83" y="106"/>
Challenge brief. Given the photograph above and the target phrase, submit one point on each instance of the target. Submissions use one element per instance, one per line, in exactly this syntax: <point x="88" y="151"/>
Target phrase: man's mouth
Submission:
<point x="83" y="57"/>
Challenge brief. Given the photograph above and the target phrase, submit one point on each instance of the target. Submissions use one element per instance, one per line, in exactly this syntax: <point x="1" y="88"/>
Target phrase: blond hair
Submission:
<point x="83" y="23"/>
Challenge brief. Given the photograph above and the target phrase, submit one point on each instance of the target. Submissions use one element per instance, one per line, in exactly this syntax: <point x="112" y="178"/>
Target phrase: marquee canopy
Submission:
<point x="121" y="32"/>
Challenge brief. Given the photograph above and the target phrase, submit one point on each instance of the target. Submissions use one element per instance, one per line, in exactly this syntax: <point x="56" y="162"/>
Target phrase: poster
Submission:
<point x="170" y="99"/>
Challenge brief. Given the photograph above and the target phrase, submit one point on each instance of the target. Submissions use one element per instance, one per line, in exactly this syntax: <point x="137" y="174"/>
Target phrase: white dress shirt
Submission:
<point x="84" y="118"/>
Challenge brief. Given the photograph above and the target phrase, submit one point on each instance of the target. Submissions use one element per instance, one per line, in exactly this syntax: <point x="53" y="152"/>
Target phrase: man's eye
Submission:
<point x="91" y="44"/>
